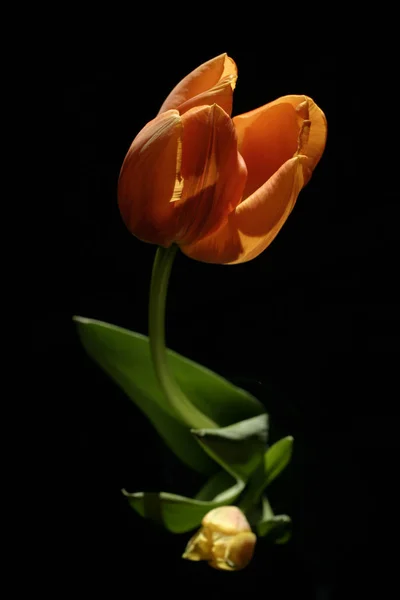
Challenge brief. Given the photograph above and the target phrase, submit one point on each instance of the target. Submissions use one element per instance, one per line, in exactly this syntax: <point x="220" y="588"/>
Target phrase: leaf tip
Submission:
<point x="198" y="433"/>
<point x="131" y="494"/>
<point x="78" y="319"/>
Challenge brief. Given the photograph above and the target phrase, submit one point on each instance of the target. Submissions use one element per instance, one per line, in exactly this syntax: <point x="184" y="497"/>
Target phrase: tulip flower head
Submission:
<point x="225" y="540"/>
<point x="219" y="188"/>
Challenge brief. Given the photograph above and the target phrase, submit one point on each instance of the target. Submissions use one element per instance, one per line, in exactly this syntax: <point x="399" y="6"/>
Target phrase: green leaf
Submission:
<point x="178" y="513"/>
<point x="125" y="356"/>
<point x="216" y="488"/>
<point x="277" y="528"/>
<point x="238" y="448"/>
<point x="277" y="458"/>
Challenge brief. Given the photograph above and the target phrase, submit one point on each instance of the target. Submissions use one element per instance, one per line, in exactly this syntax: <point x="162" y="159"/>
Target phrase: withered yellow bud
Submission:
<point x="225" y="540"/>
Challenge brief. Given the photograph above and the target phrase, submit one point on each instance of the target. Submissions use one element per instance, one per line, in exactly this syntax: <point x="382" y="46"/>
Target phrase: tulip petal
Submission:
<point x="314" y="147"/>
<point x="225" y="540"/>
<point x="256" y="221"/>
<point x="150" y="178"/>
<point x="212" y="82"/>
<point x="267" y="138"/>
<point x="227" y="520"/>
<point x="272" y="134"/>
<point x="213" y="172"/>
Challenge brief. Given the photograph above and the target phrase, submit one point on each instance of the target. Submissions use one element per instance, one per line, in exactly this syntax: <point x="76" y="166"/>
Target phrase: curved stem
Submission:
<point x="187" y="412"/>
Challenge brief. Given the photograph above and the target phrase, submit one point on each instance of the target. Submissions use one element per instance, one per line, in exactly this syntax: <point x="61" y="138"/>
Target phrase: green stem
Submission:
<point x="185" y="409"/>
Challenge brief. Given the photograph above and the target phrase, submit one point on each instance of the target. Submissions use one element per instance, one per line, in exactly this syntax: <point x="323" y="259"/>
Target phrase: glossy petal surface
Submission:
<point x="272" y="134"/>
<point x="256" y="221"/>
<point x="213" y="173"/>
<point x="212" y="82"/>
<point x="150" y="178"/>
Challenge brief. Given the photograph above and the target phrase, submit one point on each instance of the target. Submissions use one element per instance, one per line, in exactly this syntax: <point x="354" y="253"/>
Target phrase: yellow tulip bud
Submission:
<point x="225" y="540"/>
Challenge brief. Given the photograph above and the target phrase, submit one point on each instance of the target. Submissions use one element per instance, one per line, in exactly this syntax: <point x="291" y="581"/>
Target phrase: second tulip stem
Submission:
<point x="184" y="408"/>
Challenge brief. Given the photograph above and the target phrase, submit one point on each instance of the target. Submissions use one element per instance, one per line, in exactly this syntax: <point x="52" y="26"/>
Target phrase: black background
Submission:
<point x="308" y="326"/>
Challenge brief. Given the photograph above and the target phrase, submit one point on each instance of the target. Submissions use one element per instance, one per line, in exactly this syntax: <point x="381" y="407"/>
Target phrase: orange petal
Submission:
<point x="212" y="82"/>
<point x="267" y="138"/>
<point x="272" y="134"/>
<point x="256" y="221"/>
<point x="315" y="144"/>
<point x="213" y="172"/>
<point x="150" y="178"/>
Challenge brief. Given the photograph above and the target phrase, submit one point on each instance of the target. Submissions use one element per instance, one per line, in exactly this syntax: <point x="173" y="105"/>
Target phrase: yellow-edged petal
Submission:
<point x="212" y="82"/>
<point x="314" y="146"/>
<point x="256" y="221"/>
<point x="212" y="171"/>
<point x="150" y="178"/>
<point x="272" y="134"/>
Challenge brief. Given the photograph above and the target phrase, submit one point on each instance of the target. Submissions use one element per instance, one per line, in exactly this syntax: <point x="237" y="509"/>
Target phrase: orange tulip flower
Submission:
<point x="218" y="187"/>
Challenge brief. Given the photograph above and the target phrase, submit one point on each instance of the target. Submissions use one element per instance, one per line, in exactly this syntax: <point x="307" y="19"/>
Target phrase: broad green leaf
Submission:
<point x="178" y="513"/>
<point x="147" y="396"/>
<point x="125" y="356"/>
<point x="238" y="448"/>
